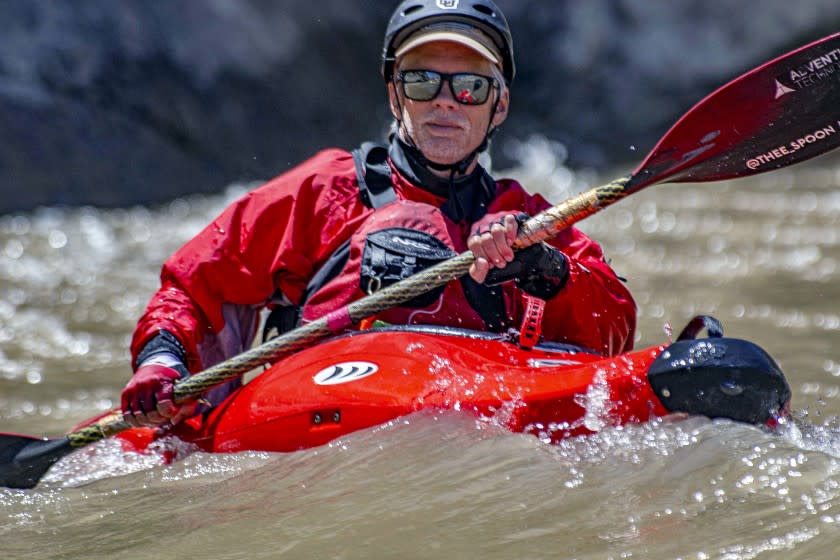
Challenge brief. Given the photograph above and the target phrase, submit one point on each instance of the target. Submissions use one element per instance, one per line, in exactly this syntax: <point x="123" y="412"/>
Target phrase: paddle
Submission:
<point x="781" y="113"/>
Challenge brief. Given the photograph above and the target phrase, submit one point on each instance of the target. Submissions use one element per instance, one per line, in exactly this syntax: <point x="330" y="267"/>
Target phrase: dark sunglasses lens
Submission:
<point x="421" y="86"/>
<point x="470" y="89"/>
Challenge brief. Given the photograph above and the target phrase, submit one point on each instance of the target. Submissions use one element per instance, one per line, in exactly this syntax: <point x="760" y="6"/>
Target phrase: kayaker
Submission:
<point x="343" y="224"/>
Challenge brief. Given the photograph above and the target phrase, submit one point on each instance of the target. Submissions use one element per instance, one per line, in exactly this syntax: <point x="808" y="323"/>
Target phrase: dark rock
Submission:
<point x="139" y="101"/>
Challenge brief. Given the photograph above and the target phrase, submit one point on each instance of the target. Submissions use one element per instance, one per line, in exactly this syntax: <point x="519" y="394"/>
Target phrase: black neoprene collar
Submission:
<point x="467" y="196"/>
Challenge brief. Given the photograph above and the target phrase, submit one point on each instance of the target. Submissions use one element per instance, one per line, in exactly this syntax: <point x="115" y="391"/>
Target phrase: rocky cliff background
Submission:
<point x="119" y="102"/>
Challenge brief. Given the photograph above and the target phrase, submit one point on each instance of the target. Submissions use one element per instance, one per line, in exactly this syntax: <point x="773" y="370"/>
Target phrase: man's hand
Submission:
<point x="148" y="400"/>
<point x="540" y="270"/>
<point x="493" y="247"/>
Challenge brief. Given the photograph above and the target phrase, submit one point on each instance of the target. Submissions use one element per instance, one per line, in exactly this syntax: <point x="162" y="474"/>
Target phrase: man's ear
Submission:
<point x="393" y="102"/>
<point x="502" y="106"/>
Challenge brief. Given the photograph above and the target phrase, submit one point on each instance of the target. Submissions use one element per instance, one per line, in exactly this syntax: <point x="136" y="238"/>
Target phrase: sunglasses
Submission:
<point x="466" y="88"/>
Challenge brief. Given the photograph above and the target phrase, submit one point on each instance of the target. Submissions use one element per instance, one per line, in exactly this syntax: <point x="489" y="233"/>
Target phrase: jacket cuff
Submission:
<point x="162" y="343"/>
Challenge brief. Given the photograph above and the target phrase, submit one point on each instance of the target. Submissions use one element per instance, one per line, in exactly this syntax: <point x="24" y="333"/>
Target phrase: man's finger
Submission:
<point x="130" y="419"/>
<point x="502" y="243"/>
<point x="167" y="409"/>
<point x="154" y="418"/>
<point x="479" y="269"/>
<point x="511" y="228"/>
<point x="184" y="412"/>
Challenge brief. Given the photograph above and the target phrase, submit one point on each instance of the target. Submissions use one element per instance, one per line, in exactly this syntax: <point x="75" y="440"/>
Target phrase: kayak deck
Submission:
<point x="554" y="391"/>
<point x="362" y="380"/>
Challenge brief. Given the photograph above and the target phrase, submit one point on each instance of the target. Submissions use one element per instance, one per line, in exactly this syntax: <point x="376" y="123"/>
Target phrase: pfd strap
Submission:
<point x="374" y="175"/>
<point x="531" y="328"/>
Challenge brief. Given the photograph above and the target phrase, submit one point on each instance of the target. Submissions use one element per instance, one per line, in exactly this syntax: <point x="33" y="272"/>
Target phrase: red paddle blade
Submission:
<point x="781" y="113"/>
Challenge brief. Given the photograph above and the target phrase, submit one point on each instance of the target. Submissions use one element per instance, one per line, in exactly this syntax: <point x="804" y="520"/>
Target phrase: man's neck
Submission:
<point x="445" y="173"/>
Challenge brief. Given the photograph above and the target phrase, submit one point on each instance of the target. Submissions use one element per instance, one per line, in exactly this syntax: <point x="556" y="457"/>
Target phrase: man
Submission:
<point x="341" y="225"/>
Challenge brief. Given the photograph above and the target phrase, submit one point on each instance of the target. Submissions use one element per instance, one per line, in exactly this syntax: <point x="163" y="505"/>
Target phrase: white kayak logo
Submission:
<point x="345" y="372"/>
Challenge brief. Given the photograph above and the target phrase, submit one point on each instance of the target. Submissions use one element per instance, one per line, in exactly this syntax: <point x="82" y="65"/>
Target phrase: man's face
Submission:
<point x="444" y="130"/>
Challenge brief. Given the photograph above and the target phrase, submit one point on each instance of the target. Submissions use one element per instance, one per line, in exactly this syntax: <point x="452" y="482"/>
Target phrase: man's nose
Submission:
<point x="445" y="97"/>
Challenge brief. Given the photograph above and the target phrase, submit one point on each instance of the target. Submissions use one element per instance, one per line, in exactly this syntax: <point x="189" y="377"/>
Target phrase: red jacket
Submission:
<point x="278" y="235"/>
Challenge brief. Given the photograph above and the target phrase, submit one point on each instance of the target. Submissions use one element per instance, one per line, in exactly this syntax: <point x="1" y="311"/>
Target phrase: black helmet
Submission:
<point x="412" y="15"/>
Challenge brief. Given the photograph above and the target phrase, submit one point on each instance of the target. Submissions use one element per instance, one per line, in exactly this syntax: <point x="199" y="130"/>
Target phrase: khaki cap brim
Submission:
<point x="425" y="37"/>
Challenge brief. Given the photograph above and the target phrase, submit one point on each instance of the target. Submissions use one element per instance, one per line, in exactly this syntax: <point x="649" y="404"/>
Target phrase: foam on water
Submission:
<point x="458" y="485"/>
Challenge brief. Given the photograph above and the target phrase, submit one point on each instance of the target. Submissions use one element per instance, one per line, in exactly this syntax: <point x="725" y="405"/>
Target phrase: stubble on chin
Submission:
<point x="441" y="148"/>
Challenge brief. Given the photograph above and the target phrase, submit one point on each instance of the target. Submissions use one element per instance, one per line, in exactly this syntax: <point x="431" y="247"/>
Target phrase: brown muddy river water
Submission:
<point x="762" y="255"/>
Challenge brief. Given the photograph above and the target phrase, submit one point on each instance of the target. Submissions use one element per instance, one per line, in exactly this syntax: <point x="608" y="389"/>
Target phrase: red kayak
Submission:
<point x="360" y="380"/>
<point x="554" y="391"/>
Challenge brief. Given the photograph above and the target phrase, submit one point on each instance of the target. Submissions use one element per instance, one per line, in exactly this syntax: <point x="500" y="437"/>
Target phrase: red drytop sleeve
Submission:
<point x="273" y="237"/>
